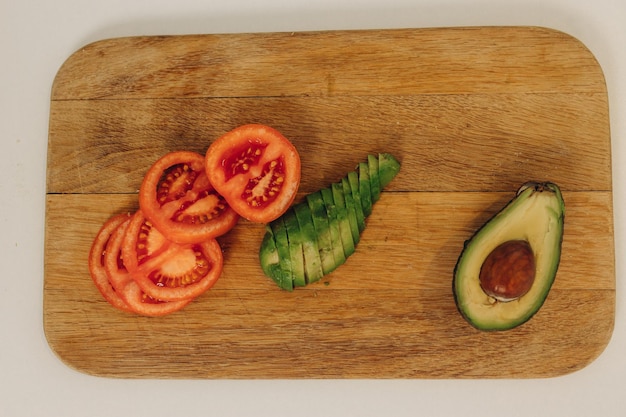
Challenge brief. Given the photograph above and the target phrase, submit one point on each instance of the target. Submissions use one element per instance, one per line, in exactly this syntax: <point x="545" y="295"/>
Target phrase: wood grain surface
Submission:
<point x="471" y="113"/>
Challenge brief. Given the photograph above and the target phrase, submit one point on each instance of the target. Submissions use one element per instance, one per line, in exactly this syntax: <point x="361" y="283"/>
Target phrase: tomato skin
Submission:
<point x="113" y="265"/>
<point x="144" y="305"/>
<point x="132" y="255"/>
<point x="204" y="275"/>
<point x="178" y="198"/>
<point x="256" y="169"/>
<point x="133" y="297"/>
<point x="167" y="270"/>
<point x="100" y="248"/>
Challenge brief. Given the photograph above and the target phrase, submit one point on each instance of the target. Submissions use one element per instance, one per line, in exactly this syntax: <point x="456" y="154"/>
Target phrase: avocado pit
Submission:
<point x="508" y="271"/>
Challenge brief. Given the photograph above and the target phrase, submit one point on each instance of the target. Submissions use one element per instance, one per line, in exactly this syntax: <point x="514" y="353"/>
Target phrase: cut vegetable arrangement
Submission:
<point x="316" y="236"/>
<point x="157" y="260"/>
<point x="177" y="197"/>
<point x="123" y="283"/>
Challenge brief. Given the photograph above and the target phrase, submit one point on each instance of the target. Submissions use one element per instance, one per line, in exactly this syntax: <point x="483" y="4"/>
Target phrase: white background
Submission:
<point x="36" y="36"/>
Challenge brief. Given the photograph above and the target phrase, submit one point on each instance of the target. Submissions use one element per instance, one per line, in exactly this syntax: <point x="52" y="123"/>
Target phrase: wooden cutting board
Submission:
<point x="472" y="113"/>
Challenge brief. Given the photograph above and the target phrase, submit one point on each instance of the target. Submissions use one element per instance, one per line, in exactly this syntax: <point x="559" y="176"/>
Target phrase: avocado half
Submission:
<point x="535" y="215"/>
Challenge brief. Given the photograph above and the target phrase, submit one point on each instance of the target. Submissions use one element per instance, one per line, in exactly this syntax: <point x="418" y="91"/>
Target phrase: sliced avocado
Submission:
<point x="322" y="231"/>
<point x="312" y="262"/>
<point x="270" y="261"/>
<point x="353" y="180"/>
<point x="315" y="237"/>
<point x="284" y="279"/>
<point x="354" y="224"/>
<point x="335" y="234"/>
<point x="372" y="163"/>
<point x="296" y="254"/>
<point x="365" y="188"/>
<point x="532" y="225"/>
<point x="388" y="168"/>
<point x="342" y="217"/>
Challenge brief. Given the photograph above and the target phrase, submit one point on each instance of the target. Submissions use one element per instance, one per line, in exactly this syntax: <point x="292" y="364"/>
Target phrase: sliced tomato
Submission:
<point x="145" y="305"/>
<point x="256" y="169"/>
<point x="97" y="254"/>
<point x="134" y="298"/>
<point x="142" y="241"/>
<point x="113" y="263"/>
<point x="166" y="270"/>
<point x="179" y="200"/>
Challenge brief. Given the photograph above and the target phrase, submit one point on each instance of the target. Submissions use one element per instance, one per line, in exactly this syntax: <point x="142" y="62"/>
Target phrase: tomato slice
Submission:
<point x="256" y="169"/>
<point x="166" y="270"/>
<point x="145" y="305"/>
<point x="134" y="298"/>
<point x="99" y="250"/>
<point x="179" y="200"/>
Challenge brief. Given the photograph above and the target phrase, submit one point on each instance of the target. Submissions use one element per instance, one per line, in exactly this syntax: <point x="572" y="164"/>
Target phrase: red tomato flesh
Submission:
<point x="137" y="301"/>
<point x="97" y="255"/>
<point x="179" y="200"/>
<point x="145" y="305"/>
<point x="167" y="270"/>
<point x="256" y="169"/>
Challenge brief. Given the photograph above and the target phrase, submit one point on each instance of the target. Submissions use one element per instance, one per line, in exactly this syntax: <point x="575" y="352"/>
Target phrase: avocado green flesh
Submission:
<point x="372" y="163"/>
<point x="284" y="277"/>
<point x="270" y="261"/>
<point x="388" y="168"/>
<point x="350" y="206"/>
<point x="365" y="189"/>
<point x="342" y="217"/>
<point x="322" y="231"/>
<point x="535" y="215"/>
<point x="294" y="238"/>
<point x="312" y="262"/>
<point x="335" y="232"/>
<point x="313" y="238"/>
<point x="353" y="182"/>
